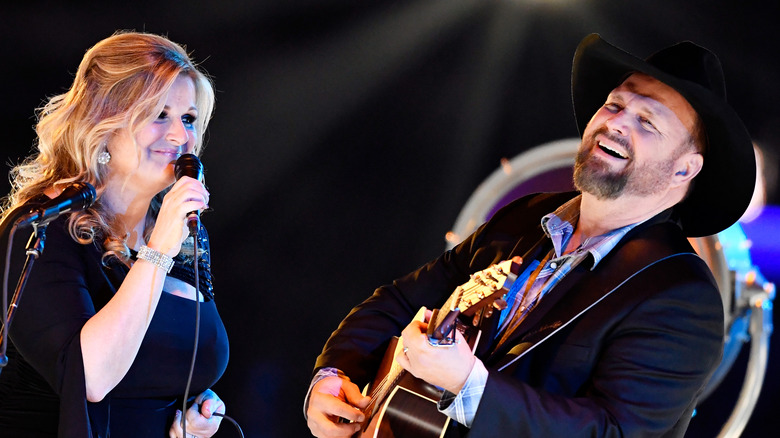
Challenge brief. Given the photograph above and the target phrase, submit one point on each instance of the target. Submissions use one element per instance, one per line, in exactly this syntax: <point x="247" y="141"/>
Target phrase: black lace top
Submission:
<point x="184" y="270"/>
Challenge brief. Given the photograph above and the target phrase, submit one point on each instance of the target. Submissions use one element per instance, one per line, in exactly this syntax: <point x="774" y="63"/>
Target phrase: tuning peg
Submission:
<point x="500" y="304"/>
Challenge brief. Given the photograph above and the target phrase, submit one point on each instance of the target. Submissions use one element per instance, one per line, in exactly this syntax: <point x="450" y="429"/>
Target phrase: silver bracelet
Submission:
<point x="156" y="258"/>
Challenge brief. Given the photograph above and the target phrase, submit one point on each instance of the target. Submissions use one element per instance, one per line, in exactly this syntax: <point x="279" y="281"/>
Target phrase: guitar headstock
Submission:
<point x="486" y="286"/>
<point x="483" y="289"/>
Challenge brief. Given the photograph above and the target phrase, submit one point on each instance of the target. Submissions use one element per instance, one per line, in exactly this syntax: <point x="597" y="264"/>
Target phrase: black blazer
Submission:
<point x="632" y="365"/>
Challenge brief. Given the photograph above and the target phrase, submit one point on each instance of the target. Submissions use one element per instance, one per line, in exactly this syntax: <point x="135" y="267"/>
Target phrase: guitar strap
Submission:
<point x="490" y="325"/>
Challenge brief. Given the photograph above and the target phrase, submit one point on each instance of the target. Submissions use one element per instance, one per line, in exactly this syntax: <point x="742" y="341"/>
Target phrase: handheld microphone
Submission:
<point x="75" y="197"/>
<point x="190" y="165"/>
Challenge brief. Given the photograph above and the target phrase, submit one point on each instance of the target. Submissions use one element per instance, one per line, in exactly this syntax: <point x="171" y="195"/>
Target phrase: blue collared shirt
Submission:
<point x="559" y="227"/>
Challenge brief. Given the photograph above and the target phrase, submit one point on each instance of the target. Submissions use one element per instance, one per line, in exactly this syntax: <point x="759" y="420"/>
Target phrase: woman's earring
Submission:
<point x="104" y="157"/>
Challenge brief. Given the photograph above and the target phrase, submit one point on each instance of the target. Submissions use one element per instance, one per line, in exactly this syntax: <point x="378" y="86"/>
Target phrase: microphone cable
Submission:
<point x="4" y="318"/>
<point x="194" y="234"/>
<point x="197" y="336"/>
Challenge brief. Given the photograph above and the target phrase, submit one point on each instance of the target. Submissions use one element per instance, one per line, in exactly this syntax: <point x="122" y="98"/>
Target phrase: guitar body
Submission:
<point x="409" y="408"/>
<point x="408" y="411"/>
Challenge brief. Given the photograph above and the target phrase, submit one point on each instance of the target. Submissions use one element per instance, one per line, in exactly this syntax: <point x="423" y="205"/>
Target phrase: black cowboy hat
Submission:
<point x="723" y="189"/>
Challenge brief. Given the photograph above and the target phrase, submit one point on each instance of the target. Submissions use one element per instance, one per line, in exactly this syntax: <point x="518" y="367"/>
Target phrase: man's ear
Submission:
<point x="687" y="167"/>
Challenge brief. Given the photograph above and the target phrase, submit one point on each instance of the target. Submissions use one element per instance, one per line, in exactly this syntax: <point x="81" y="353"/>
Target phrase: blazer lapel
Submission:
<point x="582" y="288"/>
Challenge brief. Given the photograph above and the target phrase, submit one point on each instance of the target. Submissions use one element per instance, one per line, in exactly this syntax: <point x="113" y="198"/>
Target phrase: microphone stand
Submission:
<point x="34" y="249"/>
<point x="37" y="213"/>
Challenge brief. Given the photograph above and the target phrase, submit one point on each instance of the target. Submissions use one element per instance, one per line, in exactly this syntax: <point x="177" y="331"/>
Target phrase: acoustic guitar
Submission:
<point x="404" y="406"/>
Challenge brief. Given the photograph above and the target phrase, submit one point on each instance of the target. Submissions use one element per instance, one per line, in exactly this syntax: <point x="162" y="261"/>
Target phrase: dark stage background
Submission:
<point x="349" y="134"/>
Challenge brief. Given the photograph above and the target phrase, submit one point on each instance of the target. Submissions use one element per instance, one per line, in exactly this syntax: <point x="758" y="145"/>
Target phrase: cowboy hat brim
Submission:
<point x="724" y="187"/>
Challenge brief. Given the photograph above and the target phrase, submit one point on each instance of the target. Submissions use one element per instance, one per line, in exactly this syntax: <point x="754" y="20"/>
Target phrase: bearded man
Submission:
<point x="614" y="325"/>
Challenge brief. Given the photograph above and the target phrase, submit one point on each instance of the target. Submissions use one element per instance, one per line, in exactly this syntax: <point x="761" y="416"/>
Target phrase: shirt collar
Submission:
<point x="559" y="227"/>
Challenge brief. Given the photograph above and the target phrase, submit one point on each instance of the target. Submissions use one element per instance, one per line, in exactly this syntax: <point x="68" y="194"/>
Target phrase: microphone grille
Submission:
<point x="89" y="194"/>
<point x="188" y="165"/>
<point x="81" y="193"/>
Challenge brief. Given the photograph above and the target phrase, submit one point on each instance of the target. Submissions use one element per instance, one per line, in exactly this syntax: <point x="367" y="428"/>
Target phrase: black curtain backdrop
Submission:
<point x="349" y="134"/>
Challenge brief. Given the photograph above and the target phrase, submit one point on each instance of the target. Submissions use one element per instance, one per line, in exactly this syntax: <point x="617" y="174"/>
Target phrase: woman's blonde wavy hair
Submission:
<point x="121" y="83"/>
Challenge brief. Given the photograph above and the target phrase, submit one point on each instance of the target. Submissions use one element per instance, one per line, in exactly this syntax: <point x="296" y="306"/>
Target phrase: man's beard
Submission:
<point x="593" y="175"/>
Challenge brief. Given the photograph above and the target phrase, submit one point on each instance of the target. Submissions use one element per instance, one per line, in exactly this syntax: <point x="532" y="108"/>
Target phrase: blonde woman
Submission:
<point x="103" y="337"/>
